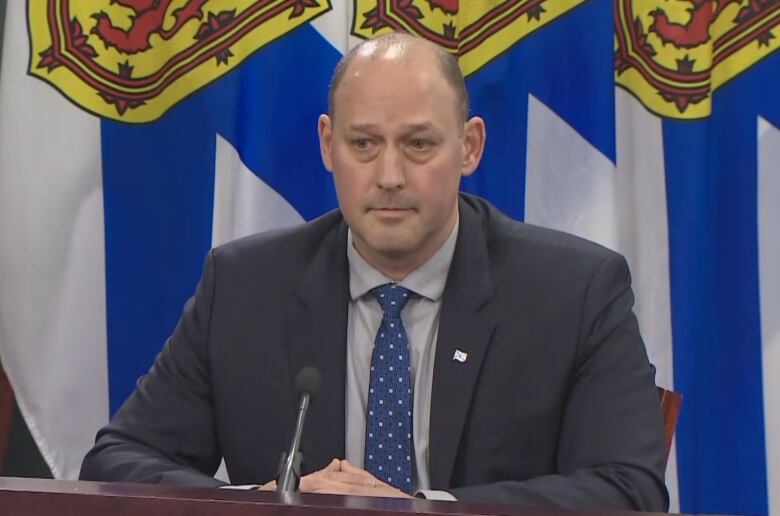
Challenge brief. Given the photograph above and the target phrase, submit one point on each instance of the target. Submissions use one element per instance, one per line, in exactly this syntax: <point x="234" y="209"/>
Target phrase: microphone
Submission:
<point x="306" y="384"/>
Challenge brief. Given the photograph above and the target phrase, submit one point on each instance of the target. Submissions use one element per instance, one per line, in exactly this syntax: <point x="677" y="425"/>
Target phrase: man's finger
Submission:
<point x="323" y="485"/>
<point x="268" y="486"/>
<point x="357" y="479"/>
<point x="341" y="477"/>
<point x="348" y="467"/>
<point x="334" y="465"/>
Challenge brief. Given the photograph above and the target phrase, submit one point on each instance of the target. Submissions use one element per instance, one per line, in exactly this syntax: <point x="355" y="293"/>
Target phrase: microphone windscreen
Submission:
<point x="308" y="380"/>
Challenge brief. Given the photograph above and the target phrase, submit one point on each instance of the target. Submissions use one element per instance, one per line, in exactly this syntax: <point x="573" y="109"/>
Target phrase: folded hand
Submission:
<point x="341" y="477"/>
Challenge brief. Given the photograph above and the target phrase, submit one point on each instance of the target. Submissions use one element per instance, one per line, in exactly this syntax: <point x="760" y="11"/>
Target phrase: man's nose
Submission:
<point x="390" y="172"/>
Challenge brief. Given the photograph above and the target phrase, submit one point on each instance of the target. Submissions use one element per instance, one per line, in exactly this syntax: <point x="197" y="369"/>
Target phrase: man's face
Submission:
<point x="397" y="150"/>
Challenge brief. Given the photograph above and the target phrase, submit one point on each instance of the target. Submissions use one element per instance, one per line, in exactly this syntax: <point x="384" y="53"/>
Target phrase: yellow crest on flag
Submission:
<point x="474" y="30"/>
<point x="672" y="54"/>
<point x="131" y="60"/>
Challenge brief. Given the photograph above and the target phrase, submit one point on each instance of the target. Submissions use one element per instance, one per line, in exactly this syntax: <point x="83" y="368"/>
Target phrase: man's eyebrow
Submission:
<point x="363" y="127"/>
<point x="419" y="127"/>
<point x="408" y="128"/>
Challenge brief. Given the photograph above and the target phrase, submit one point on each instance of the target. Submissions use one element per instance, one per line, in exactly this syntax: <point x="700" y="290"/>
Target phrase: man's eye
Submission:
<point x="361" y="143"/>
<point x="420" y="144"/>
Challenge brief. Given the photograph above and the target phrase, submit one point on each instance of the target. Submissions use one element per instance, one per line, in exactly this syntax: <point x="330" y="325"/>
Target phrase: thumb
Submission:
<point x="349" y="468"/>
<point x="334" y="465"/>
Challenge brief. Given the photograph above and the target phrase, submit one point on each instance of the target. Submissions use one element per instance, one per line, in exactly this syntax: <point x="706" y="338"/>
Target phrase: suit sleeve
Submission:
<point x="610" y="446"/>
<point x="164" y="433"/>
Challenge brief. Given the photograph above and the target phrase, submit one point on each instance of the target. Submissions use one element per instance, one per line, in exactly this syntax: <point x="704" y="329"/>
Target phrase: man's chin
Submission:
<point x="391" y="246"/>
<point x="393" y="249"/>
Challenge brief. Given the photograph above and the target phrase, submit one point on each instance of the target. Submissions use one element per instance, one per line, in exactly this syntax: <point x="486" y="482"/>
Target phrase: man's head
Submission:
<point x="399" y="42"/>
<point x="397" y="142"/>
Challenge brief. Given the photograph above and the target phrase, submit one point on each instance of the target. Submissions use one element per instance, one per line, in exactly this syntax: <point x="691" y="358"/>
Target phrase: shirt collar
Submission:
<point x="428" y="280"/>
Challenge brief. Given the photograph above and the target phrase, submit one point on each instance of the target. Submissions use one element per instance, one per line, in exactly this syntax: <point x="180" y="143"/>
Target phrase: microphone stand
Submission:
<point x="291" y="461"/>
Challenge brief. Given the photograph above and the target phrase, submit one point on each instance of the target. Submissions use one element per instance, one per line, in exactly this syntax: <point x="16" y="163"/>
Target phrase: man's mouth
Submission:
<point x="390" y="211"/>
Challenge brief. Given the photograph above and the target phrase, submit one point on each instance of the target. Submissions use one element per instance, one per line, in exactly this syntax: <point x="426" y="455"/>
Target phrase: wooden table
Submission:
<point x="27" y="497"/>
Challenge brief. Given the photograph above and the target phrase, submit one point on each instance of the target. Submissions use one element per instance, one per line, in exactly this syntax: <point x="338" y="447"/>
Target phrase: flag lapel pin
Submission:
<point x="460" y="356"/>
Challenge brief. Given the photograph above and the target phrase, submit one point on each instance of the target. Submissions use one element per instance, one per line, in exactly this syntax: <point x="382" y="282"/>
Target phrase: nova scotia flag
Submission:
<point x="673" y="160"/>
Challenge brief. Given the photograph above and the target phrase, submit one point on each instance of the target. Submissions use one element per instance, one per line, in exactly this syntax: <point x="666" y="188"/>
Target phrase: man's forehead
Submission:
<point x="396" y="65"/>
<point x="404" y="107"/>
<point x="401" y="99"/>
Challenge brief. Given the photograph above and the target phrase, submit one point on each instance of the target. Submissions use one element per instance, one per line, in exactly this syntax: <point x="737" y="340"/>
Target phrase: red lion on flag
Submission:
<point x="147" y="19"/>
<point x="696" y="31"/>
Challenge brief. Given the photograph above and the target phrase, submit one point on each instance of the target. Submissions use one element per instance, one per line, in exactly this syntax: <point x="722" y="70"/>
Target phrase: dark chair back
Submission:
<point x="6" y="413"/>
<point x="670" y="408"/>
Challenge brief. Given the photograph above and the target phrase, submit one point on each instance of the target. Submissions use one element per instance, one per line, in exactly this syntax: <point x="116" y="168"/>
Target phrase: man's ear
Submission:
<point x="324" y="129"/>
<point x="473" y="144"/>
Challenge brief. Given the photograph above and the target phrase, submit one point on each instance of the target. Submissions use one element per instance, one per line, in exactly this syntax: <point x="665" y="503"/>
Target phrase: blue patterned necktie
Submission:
<point x="388" y="451"/>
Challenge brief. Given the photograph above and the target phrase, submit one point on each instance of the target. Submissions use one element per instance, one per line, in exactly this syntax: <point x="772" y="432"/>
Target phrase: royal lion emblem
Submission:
<point x="476" y="31"/>
<point x="672" y="54"/>
<point x="131" y="60"/>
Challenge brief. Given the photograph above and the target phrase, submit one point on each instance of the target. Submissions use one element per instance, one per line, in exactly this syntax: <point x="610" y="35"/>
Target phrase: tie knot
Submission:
<point x="392" y="298"/>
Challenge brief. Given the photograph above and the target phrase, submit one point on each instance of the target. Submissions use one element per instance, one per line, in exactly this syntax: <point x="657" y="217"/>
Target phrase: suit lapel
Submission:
<point x="317" y="337"/>
<point x="465" y="326"/>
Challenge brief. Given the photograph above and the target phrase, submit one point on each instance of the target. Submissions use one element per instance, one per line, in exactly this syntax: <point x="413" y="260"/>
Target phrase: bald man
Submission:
<point x="463" y="355"/>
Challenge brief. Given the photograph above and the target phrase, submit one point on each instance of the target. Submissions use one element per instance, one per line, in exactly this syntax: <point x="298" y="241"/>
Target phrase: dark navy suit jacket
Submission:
<point x="555" y="405"/>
